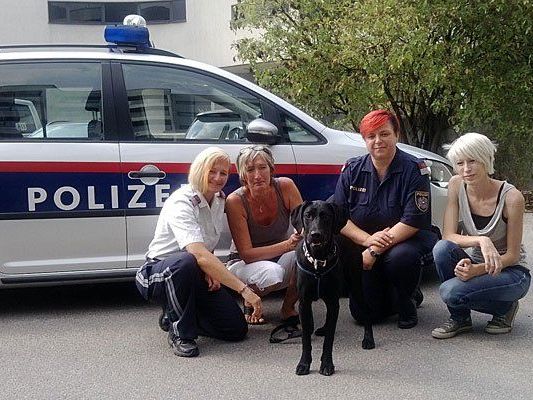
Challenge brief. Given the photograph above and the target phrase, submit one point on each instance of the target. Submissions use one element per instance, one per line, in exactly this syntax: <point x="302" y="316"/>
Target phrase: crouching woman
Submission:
<point x="181" y="272"/>
<point x="486" y="215"/>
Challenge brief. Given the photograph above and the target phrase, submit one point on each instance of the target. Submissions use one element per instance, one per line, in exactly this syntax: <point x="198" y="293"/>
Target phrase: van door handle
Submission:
<point x="149" y="174"/>
<point x="140" y="174"/>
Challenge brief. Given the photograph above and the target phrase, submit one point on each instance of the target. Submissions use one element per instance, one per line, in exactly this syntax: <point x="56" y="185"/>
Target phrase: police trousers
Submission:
<point x="178" y="285"/>
<point x="389" y="286"/>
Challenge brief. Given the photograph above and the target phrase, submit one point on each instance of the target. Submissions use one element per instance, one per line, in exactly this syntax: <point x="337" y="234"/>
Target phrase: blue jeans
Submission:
<point x="489" y="294"/>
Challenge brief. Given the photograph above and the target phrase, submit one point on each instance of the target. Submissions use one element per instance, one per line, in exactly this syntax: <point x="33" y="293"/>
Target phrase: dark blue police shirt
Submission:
<point x="403" y="196"/>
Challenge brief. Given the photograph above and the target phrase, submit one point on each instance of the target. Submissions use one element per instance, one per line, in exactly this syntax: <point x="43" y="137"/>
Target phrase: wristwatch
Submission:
<point x="373" y="253"/>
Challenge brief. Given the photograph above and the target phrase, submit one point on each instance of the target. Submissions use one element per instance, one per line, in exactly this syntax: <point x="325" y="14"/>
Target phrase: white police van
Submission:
<point x="93" y="139"/>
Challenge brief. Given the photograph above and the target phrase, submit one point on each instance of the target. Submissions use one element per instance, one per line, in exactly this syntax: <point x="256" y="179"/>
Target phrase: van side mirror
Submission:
<point x="262" y="131"/>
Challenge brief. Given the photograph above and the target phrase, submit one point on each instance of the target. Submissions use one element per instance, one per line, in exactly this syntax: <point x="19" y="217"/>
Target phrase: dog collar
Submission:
<point x="314" y="261"/>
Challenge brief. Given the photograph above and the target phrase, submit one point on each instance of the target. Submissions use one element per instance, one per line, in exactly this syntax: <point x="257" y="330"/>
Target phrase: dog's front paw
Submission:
<point x="368" y="344"/>
<point x="327" y="368"/>
<point x="303" y="368"/>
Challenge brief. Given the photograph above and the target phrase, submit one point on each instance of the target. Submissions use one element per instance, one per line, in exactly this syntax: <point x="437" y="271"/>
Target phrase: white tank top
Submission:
<point x="496" y="229"/>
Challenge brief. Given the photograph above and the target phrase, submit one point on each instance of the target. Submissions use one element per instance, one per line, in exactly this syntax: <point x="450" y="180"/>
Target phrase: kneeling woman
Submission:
<point x="181" y="272"/>
<point x="258" y="217"/>
<point x="489" y="214"/>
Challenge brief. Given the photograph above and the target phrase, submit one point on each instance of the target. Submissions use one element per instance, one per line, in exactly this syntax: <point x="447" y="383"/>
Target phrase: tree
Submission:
<point x="443" y="66"/>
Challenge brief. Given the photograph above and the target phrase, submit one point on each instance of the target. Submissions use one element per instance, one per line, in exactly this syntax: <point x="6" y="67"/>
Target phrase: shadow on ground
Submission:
<point x="93" y="296"/>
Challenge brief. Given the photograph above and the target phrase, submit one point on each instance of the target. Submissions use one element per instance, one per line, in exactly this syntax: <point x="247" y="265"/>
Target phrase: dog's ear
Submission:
<point x="341" y="217"/>
<point x="297" y="216"/>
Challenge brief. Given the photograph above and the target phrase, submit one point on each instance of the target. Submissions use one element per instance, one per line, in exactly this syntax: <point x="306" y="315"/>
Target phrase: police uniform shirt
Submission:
<point x="403" y="196"/>
<point x="187" y="218"/>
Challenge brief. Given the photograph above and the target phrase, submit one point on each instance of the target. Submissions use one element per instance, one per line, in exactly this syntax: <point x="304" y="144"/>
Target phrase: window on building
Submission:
<point x="115" y="12"/>
<point x="156" y="12"/>
<point x="70" y="12"/>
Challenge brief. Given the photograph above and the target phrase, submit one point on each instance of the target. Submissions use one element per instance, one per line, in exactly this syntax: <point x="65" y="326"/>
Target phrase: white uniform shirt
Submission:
<point x="187" y="218"/>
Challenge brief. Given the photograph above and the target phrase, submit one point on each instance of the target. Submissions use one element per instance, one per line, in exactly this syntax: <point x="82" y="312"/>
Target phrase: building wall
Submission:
<point x="205" y="36"/>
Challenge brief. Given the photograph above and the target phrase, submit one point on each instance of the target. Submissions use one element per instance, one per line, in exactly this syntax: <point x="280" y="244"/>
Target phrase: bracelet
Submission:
<point x="243" y="289"/>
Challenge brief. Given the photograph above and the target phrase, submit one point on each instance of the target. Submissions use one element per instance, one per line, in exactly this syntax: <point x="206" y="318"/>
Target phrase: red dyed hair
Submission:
<point x="376" y="119"/>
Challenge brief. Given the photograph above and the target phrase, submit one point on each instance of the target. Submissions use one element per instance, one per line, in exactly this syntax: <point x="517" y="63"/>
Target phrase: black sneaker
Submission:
<point x="183" y="347"/>
<point x="164" y="321"/>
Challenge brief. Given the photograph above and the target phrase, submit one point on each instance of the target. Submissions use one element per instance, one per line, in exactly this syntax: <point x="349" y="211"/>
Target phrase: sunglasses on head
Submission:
<point x="262" y="148"/>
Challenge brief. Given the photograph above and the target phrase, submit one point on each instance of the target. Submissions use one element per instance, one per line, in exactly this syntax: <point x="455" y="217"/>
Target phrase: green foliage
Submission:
<point x="443" y="66"/>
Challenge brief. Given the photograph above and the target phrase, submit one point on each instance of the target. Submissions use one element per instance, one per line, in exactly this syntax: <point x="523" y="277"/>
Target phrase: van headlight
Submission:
<point x="440" y="173"/>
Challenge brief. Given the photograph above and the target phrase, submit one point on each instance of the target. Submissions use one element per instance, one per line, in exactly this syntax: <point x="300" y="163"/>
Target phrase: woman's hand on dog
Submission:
<point x="293" y="241"/>
<point x="380" y="239"/>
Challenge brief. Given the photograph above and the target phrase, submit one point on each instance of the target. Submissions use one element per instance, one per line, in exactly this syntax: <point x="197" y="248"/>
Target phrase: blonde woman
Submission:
<point x="486" y="215"/>
<point x="181" y="272"/>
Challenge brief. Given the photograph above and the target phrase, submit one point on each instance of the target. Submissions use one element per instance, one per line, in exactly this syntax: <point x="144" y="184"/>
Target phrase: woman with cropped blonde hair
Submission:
<point x="182" y="274"/>
<point x="484" y="215"/>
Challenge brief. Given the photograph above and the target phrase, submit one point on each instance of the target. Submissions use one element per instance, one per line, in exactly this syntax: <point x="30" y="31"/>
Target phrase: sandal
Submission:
<point x="248" y="311"/>
<point x="287" y="330"/>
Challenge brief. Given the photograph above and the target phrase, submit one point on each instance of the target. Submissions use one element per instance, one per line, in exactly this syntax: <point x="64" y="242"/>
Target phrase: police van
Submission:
<point x="93" y="139"/>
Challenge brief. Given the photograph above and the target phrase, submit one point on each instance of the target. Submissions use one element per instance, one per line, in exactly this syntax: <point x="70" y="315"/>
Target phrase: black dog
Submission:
<point x="324" y="272"/>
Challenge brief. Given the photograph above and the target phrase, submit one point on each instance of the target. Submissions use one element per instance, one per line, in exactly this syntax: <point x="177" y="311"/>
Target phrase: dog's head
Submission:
<point x="319" y="220"/>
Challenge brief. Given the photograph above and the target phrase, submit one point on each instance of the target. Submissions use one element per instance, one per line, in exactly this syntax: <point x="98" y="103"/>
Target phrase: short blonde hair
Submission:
<point x="203" y="162"/>
<point x="248" y="154"/>
<point x="474" y="146"/>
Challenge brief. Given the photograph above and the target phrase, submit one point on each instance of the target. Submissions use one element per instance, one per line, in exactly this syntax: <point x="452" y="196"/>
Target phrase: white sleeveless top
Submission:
<point x="496" y="229"/>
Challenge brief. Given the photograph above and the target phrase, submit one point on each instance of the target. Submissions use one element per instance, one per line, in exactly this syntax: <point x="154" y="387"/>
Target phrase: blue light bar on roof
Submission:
<point x="126" y="35"/>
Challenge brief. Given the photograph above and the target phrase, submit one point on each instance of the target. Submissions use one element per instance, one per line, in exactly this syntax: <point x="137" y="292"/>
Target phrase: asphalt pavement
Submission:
<point x="103" y="342"/>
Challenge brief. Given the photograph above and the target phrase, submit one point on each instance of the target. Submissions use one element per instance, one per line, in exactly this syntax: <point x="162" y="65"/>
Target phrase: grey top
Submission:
<point x="496" y="229"/>
<point x="266" y="235"/>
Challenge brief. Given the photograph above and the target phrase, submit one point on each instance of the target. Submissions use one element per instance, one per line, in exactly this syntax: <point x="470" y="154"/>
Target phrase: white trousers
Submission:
<point x="264" y="274"/>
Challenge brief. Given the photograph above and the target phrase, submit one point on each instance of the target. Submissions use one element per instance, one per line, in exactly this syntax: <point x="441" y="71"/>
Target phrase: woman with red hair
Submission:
<point x="387" y="195"/>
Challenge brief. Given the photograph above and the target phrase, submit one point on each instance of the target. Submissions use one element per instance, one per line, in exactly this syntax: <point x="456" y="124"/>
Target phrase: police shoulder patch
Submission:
<point x="422" y="201"/>
<point x="424" y="169"/>
<point x="347" y="163"/>
<point x="195" y="200"/>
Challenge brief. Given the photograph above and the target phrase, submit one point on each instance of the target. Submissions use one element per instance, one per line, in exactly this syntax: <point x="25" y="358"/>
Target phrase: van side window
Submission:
<point x="50" y="100"/>
<point x="167" y="103"/>
<point x="297" y="132"/>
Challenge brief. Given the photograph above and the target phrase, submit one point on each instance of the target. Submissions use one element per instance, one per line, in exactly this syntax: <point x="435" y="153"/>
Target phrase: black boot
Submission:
<point x="418" y="297"/>
<point x="407" y="316"/>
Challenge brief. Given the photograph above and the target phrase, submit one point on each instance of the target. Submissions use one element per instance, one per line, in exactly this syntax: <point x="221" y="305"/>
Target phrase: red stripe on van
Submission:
<point x="63" y="166"/>
<point x="319" y="169"/>
<point x="171" y="168"/>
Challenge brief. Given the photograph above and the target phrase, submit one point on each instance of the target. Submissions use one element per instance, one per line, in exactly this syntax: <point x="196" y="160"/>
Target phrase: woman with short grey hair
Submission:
<point x="258" y="216"/>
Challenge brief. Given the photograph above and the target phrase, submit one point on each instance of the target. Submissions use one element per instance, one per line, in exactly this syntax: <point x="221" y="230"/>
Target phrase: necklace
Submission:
<point x="259" y="204"/>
